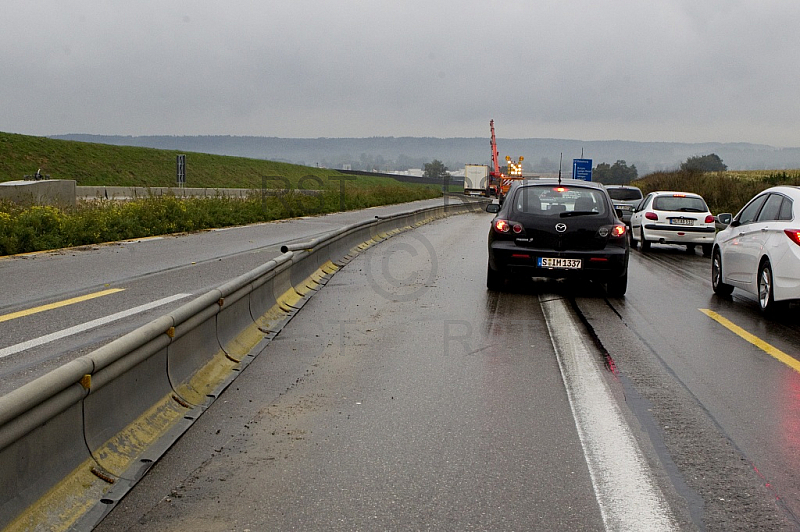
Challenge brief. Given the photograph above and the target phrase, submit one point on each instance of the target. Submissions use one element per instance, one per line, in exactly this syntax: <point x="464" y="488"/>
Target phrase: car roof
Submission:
<point x="673" y="192"/>
<point x="623" y="186"/>
<point x="790" y="190"/>
<point x="556" y="181"/>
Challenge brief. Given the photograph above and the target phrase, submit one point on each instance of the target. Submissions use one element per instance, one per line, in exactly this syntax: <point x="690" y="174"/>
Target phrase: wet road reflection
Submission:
<point x="750" y="394"/>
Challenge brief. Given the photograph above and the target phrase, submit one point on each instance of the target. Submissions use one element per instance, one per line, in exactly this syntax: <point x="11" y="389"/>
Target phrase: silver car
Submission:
<point x="625" y="199"/>
<point x="759" y="250"/>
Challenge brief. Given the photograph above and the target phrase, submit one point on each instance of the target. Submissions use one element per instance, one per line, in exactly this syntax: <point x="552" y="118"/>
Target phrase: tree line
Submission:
<point x="618" y="173"/>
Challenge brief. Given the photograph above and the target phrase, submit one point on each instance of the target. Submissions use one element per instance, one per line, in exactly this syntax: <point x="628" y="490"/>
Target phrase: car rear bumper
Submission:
<point x="786" y="273"/>
<point x="670" y="234"/>
<point x="510" y="259"/>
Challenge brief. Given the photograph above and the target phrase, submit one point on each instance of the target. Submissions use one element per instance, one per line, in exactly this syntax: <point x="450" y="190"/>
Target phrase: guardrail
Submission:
<point x="74" y="441"/>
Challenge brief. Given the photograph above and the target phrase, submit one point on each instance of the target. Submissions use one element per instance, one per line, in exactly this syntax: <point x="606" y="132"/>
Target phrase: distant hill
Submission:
<point x="402" y="153"/>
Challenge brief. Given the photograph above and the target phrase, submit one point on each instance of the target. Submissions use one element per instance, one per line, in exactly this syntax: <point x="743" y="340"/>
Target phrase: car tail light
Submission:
<point x="612" y="231"/>
<point x="651" y="216"/>
<point x="502" y="226"/>
<point x="794" y="235"/>
<point x="507" y="226"/>
<point x="709" y="219"/>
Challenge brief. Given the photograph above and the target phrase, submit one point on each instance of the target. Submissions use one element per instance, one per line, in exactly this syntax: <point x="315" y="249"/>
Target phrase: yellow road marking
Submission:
<point x="755" y="340"/>
<point x="58" y="304"/>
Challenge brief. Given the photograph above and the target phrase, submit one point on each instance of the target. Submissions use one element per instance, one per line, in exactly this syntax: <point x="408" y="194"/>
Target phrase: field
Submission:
<point x="37" y="228"/>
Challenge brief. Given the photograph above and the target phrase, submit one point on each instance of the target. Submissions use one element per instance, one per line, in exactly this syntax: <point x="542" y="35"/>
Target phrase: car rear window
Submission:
<point x="679" y="203"/>
<point x="551" y="200"/>
<point x="625" y="194"/>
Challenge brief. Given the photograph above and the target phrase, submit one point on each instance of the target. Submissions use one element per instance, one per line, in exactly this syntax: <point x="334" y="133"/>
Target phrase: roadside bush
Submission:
<point x="42" y="228"/>
<point x="722" y="191"/>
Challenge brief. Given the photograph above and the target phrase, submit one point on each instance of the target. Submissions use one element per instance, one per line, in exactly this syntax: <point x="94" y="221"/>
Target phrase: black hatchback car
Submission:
<point x="559" y="229"/>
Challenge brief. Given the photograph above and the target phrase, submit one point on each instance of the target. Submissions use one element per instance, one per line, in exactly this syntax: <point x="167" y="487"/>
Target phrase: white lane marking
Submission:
<point x="628" y="496"/>
<point x="6" y="351"/>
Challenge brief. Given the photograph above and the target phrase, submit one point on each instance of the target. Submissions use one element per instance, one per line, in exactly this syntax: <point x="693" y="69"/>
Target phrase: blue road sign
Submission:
<point x="582" y="169"/>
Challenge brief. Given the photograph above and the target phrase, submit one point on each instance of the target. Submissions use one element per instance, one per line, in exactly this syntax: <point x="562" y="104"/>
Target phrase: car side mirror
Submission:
<point x="619" y="213"/>
<point x="724" y="218"/>
<point x="493" y="208"/>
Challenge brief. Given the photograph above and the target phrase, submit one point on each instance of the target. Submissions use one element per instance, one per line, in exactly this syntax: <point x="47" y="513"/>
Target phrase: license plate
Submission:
<point x="566" y="264"/>
<point x="681" y="221"/>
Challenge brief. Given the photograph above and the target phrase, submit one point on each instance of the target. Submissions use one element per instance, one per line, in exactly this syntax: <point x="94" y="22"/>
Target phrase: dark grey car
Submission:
<point x="559" y="229"/>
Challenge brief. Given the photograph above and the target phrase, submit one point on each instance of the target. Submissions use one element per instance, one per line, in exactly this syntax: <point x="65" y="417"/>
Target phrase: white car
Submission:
<point x="664" y="217"/>
<point x="759" y="250"/>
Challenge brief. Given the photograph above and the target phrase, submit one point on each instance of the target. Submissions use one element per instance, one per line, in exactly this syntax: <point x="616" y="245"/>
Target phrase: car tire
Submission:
<point x="707" y="250"/>
<point x="494" y="279"/>
<point x="618" y="286"/>
<point x="719" y="287"/>
<point x="644" y="242"/>
<point x="766" y="293"/>
<point x="634" y="244"/>
<point x="690" y="248"/>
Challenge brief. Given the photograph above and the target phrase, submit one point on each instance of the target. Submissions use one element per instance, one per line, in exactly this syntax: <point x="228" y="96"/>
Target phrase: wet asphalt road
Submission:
<point x="751" y="397"/>
<point x="396" y="400"/>
<point x="404" y="396"/>
<point x="169" y="271"/>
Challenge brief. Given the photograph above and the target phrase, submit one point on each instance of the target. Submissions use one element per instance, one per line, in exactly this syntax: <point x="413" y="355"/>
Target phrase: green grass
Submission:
<point x="723" y="191"/>
<point x="26" y="229"/>
<point x="101" y="164"/>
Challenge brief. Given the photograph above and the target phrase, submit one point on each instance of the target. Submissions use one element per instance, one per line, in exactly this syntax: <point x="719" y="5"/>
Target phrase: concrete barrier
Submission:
<point x="129" y="193"/>
<point x="60" y="192"/>
<point x="74" y="441"/>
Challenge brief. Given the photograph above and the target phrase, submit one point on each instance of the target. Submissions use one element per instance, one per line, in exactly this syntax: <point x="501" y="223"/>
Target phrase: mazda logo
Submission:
<point x="560" y="227"/>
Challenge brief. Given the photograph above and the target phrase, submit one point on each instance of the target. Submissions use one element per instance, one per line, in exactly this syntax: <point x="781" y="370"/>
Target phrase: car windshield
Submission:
<point x="625" y="194"/>
<point x="556" y="200"/>
<point x="680" y="203"/>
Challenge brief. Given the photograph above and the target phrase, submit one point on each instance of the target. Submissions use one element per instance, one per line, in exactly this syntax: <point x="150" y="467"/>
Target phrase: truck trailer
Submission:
<point x="476" y="179"/>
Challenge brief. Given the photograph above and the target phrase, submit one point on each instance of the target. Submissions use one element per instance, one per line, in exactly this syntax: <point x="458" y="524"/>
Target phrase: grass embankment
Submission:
<point x="723" y="191"/>
<point x="37" y="228"/>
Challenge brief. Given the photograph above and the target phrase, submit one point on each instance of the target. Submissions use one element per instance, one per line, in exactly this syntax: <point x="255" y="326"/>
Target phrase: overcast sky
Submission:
<point x="643" y="70"/>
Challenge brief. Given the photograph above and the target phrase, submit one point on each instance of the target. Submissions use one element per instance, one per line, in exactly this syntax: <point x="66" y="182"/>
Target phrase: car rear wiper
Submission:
<point x="575" y="213"/>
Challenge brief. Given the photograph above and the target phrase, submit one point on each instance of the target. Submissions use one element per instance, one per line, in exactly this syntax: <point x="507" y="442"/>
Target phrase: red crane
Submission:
<point x="495" y="176"/>
<point x="499" y="183"/>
